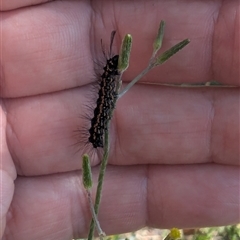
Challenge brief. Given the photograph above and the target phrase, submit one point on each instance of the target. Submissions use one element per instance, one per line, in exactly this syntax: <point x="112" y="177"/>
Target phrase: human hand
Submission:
<point x="174" y="158"/>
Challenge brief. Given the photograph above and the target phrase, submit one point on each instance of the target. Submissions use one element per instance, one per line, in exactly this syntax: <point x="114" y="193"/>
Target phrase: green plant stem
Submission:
<point x="136" y="79"/>
<point x="94" y="216"/>
<point x="100" y="179"/>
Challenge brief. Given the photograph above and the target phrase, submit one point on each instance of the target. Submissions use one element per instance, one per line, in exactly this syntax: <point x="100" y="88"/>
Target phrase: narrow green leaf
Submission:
<point x="86" y="172"/>
<point x="172" y="51"/>
<point x="158" y="41"/>
<point x="124" y="55"/>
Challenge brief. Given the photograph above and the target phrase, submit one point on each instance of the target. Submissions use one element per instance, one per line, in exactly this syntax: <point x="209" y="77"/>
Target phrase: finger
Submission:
<point x="177" y="126"/>
<point x="14" y="4"/>
<point x="45" y="128"/>
<point x="35" y="54"/>
<point x="133" y="197"/>
<point x="7" y="173"/>
<point x="211" y="55"/>
<point x="193" y="196"/>
<point x="39" y="59"/>
<point x="164" y="125"/>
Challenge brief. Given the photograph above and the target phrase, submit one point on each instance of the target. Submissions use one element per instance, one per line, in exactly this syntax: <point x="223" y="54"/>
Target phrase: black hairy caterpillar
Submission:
<point x="107" y="96"/>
